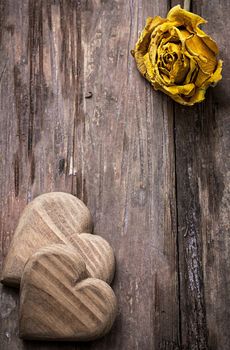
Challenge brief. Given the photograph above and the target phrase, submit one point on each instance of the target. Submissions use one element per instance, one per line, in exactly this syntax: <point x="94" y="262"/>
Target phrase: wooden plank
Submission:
<point x="129" y="174"/>
<point x="215" y="188"/>
<point x="202" y="173"/>
<point x="36" y="123"/>
<point x="114" y="150"/>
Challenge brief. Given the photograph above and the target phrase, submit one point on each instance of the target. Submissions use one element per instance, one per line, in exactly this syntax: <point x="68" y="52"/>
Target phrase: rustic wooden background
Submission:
<point x="154" y="174"/>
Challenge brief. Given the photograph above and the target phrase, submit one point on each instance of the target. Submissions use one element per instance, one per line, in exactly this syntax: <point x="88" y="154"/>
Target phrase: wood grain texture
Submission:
<point x="202" y="169"/>
<point x="129" y="142"/>
<point x="50" y="218"/>
<point x="58" y="300"/>
<point x="97" y="254"/>
<point x="77" y="117"/>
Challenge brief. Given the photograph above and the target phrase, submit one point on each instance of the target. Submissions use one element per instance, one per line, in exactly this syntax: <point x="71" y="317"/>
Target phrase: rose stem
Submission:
<point x="187" y="4"/>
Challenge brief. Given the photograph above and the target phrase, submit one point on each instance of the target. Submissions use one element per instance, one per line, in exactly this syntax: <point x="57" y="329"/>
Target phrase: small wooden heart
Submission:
<point x="58" y="301"/>
<point x="49" y="218"/>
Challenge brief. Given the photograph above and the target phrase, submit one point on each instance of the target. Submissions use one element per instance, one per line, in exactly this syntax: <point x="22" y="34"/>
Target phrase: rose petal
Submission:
<point x="208" y="41"/>
<point x="178" y="98"/>
<point x="205" y="57"/>
<point x="193" y="68"/>
<point x="186" y="18"/>
<point x="199" y="96"/>
<point x="142" y="45"/>
<point x="180" y="89"/>
<point x="216" y="76"/>
<point x="180" y="71"/>
<point x="201" y="78"/>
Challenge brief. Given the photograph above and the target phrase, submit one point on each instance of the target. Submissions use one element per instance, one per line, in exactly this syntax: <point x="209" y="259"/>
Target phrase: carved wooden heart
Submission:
<point x="59" y="302"/>
<point x="50" y="218"/>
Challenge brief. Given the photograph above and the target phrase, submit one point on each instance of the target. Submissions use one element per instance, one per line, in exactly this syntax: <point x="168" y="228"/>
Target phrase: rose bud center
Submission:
<point x="172" y="64"/>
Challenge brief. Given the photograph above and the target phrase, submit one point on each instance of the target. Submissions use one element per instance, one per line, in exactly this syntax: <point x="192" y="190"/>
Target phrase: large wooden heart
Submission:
<point x="58" y="301"/>
<point x="49" y="218"/>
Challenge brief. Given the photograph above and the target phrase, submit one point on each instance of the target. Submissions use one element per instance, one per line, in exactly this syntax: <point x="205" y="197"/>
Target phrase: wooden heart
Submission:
<point x="97" y="254"/>
<point x="59" y="302"/>
<point x="49" y="218"/>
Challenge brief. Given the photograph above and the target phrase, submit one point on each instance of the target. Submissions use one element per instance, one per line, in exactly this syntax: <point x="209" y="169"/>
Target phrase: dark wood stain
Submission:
<point x="16" y="175"/>
<point x="21" y="103"/>
<point x="3" y="16"/>
<point x="32" y="169"/>
<point x="61" y="166"/>
<point x="76" y="116"/>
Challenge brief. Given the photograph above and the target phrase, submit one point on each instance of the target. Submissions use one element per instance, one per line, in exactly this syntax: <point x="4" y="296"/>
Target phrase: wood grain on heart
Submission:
<point x="97" y="254"/>
<point x="59" y="301"/>
<point x="49" y="218"/>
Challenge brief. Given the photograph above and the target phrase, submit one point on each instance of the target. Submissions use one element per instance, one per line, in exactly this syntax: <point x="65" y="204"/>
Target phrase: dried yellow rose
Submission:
<point x="177" y="57"/>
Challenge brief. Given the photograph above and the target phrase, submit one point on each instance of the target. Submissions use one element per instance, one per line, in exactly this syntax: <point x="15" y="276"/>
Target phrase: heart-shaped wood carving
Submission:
<point x="49" y="218"/>
<point x="58" y="301"/>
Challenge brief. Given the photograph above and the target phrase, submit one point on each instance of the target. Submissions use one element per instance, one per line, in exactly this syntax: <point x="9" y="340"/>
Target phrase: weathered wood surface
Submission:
<point x="155" y="175"/>
<point x="203" y="202"/>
